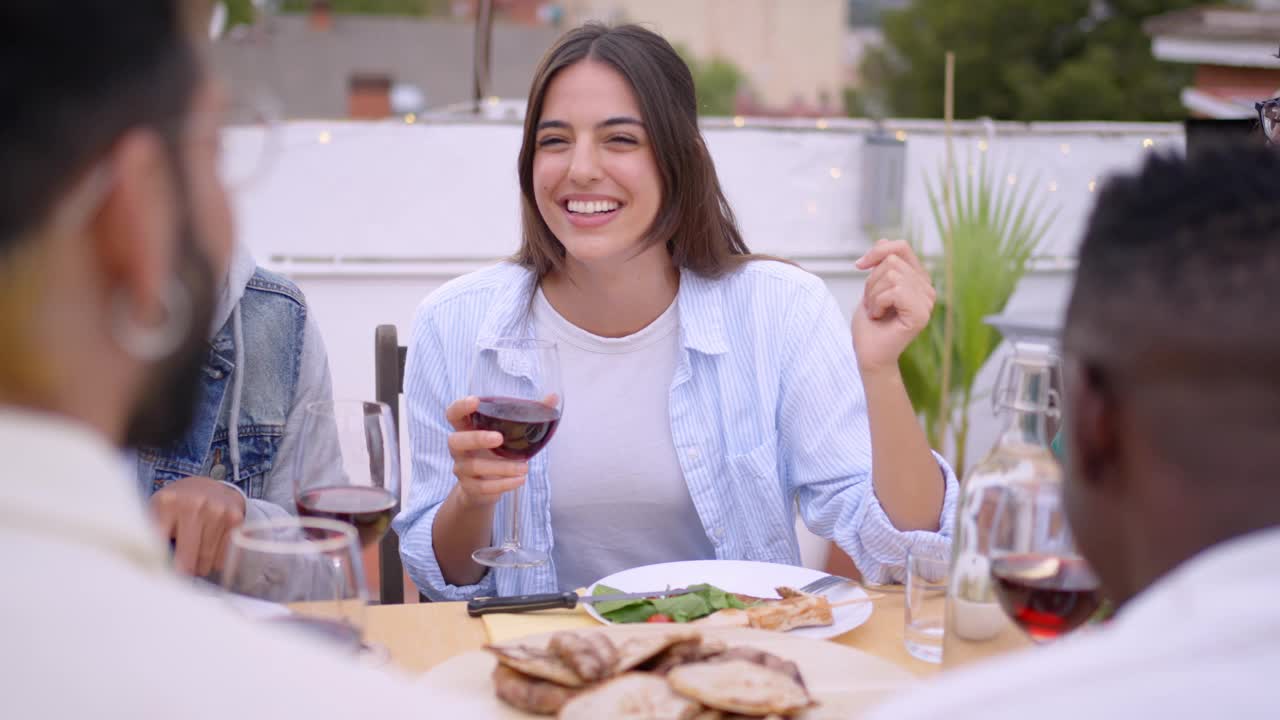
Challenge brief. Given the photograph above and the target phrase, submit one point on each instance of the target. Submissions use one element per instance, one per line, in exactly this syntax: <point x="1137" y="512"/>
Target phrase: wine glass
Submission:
<point x="1042" y="582"/>
<point x="517" y="381"/>
<point x="348" y="466"/>
<point x="312" y="565"/>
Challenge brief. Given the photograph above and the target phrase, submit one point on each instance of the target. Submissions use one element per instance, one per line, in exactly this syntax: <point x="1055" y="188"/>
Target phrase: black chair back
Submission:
<point x="388" y="370"/>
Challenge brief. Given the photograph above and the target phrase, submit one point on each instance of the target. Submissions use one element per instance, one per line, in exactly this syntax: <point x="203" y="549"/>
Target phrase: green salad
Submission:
<point x="700" y="602"/>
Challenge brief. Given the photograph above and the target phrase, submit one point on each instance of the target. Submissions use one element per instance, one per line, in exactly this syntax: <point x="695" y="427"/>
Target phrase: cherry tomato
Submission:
<point x="659" y="618"/>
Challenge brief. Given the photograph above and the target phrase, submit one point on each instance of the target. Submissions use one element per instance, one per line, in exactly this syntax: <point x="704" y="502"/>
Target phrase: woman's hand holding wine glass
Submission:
<point x="512" y="413"/>
<point x="483" y="477"/>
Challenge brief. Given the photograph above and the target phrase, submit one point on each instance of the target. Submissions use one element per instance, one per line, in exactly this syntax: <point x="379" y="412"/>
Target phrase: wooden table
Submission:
<point x="420" y="636"/>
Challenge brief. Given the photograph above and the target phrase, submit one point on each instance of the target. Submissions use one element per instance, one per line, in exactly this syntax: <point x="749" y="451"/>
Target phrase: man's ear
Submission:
<point x="1092" y="441"/>
<point x="133" y="234"/>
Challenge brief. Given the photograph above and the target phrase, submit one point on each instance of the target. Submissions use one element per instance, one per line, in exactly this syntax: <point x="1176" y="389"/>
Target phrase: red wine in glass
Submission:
<point x="526" y="425"/>
<point x="1046" y="595"/>
<point x="369" y="509"/>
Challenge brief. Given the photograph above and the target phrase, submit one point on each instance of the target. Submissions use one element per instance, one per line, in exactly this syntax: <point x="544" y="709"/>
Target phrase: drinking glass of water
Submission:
<point x="926" y="603"/>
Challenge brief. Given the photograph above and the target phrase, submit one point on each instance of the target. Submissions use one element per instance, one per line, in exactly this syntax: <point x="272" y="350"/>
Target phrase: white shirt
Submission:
<point x="615" y="477"/>
<point x="1203" y="642"/>
<point x="96" y="626"/>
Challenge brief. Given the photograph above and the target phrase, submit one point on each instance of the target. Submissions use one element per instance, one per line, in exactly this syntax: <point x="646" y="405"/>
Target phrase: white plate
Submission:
<point x="740" y="576"/>
<point x="846" y="682"/>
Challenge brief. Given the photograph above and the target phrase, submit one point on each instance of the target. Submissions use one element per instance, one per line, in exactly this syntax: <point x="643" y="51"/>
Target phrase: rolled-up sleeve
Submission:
<point x="430" y="385"/>
<point x="826" y="448"/>
<point x="880" y="550"/>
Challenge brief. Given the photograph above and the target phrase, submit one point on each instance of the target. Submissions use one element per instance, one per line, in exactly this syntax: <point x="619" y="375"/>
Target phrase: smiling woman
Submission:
<point x="708" y="392"/>
<point x="589" y="173"/>
<point x="617" y="123"/>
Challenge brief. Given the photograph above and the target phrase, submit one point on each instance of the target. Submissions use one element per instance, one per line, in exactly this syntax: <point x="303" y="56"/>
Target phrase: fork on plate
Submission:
<point x="827" y="582"/>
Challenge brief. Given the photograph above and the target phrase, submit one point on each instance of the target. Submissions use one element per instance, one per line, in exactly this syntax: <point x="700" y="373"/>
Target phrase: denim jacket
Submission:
<point x="265" y="363"/>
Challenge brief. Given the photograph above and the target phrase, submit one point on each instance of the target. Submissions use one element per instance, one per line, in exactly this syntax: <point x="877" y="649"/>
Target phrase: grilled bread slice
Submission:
<point x="739" y="686"/>
<point x="633" y="696"/>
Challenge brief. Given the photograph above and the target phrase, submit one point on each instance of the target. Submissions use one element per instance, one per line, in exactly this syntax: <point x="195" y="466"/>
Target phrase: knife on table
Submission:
<point x="557" y="601"/>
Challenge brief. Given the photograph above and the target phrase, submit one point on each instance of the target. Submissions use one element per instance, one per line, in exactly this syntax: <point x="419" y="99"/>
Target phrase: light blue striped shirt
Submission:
<point x="767" y="414"/>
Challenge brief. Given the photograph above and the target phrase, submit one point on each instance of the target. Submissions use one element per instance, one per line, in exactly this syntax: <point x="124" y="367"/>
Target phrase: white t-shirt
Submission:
<point x="618" y="496"/>
<point x="96" y="626"/>
<point x="1202" y="642"/>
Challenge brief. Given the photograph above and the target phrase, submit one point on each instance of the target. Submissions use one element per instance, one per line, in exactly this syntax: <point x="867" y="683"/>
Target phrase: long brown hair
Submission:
<point x="694" y="219"/>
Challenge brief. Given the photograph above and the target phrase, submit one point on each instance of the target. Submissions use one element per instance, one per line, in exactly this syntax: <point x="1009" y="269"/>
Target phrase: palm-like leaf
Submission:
<point x="996" y="226"/>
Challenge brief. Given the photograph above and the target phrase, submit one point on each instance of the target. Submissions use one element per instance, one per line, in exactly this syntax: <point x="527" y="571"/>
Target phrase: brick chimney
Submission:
<point x="320" y="17"/>
<point x="369" y="96"/>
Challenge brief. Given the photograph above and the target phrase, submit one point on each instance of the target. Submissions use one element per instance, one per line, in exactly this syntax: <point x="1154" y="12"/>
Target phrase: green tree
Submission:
<point x="417" y="8"/>
<point x="1024" y="60"/>
<point x="716" y="82"/>
<point x="239" y="12"/>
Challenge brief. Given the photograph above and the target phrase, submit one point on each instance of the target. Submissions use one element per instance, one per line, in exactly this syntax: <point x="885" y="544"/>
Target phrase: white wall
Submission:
<point x="430" y="192"/>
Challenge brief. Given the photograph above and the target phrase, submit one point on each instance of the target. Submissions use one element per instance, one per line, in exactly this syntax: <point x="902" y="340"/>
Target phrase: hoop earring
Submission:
<point x="153" y="343"/>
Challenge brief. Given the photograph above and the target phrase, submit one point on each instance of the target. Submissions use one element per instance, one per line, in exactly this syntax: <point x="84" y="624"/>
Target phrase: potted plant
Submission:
<point x="991" y="228"/>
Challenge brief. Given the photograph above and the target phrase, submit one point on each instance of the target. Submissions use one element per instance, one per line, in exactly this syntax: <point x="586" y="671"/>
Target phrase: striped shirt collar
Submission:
<point x="700" y="300"/>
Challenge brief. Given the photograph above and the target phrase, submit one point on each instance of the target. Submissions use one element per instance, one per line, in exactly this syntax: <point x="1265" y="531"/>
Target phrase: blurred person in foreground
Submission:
<point x="1172" y="361"/>
<point x="113" y="228"/>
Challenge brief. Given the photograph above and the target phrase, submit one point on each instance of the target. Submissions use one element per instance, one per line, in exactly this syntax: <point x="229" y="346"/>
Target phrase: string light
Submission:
<point x="493" y="99"/>
<point x="325" y="137"/>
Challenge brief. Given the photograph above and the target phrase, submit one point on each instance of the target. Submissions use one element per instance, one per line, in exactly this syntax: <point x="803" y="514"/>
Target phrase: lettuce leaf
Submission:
<point x="683" y="608"/>
<point x="605" y="608"/>
<point x="632" y="613"/>
<point x="718" y="599"/>
<point x="701" y="602"/>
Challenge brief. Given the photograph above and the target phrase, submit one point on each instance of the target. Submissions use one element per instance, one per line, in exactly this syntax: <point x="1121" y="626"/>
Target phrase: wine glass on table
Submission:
<point x="302" y="573"/>
<point x="1044" y="585"/>
<point x="517" y="381"/>
<point x="348" y="466"/>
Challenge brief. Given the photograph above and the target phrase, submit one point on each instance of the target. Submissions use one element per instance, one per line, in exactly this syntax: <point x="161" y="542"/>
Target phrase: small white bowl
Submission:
<point x="977" y="620"/>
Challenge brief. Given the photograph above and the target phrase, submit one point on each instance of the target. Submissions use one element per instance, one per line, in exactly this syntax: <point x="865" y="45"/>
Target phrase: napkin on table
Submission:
<point x="501" y="627"/>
